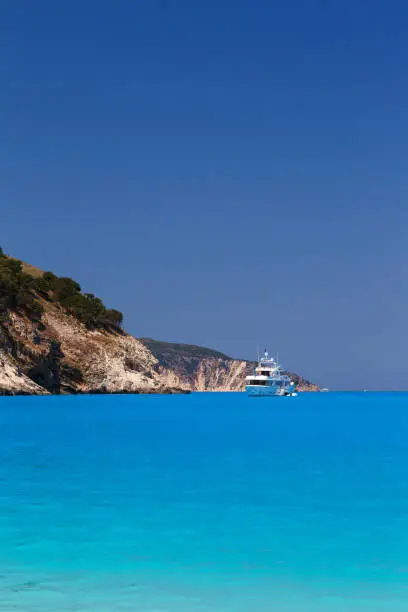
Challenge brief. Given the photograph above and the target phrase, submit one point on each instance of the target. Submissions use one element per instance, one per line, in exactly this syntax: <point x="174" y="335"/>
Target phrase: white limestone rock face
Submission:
<point x="208" y="374"/>
<point x="109" y="362"/>
<point x="93" y="361"/>
<point x="13" y="381"/>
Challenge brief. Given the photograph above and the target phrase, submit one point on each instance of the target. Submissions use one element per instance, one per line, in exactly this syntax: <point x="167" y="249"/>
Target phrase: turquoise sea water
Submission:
<point x="207" y="502"/>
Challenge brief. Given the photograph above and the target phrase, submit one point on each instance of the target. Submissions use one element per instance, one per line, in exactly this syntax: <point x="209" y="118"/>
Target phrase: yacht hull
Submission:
<point x="266" y="391"/>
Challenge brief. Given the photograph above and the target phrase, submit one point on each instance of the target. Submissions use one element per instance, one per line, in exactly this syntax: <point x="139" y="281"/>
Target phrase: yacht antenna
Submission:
<point x="257" y="351"/>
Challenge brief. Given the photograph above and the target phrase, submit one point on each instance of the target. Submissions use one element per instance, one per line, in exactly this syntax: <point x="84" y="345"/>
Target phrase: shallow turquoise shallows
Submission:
<point x="207" y="502"/>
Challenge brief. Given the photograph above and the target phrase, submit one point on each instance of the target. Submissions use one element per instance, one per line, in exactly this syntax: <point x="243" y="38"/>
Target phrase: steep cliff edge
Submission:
<point x="68" y="358"/>
<point x="201" y="369"/>
<point x="12" y="378"/>
<point x="56" y="339"/>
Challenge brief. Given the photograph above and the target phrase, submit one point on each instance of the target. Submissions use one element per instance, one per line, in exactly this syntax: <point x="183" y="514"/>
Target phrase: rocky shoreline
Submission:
<point x="55" y="339"/>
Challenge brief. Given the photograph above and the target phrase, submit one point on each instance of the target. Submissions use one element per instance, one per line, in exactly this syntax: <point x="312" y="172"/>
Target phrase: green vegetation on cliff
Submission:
<point x="20" y="290"/>
<point x="16" y="289"/>
<point x="160" y="349"/>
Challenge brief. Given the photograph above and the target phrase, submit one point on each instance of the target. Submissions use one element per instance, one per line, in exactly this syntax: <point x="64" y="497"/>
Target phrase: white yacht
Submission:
<point x="269" y="380"/>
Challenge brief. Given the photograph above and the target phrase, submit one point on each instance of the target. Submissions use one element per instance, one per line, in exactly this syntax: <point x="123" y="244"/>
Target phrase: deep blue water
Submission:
<point x="207" y="502"/>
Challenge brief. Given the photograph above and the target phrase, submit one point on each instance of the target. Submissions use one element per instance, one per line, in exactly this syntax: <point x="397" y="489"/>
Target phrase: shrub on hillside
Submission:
<point x="16" y="288"/>
<point x="92" y="312"/>
<point x="114" y="317"/>
<point x="19" y="290"/>
<point x="46" y="283"/>
<point x="65" y="288"/>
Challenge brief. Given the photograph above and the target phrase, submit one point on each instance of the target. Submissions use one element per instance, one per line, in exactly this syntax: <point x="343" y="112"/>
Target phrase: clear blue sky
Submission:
<point x="222" y="172"/>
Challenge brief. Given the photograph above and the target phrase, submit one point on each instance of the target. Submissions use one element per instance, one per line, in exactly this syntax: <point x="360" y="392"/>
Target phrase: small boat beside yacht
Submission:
<point x="268" y="379"/>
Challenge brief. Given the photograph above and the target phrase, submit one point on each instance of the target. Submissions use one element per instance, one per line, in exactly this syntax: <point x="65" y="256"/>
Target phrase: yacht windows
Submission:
<point x="255" y="381"/>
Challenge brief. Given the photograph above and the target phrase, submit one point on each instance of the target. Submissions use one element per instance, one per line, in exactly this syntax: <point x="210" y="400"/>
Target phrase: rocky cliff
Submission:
<point x="56" y="339"/>
<point x="201" y="369"/>
<point x="12" y="378"/>
<point x="68" y="358"/>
